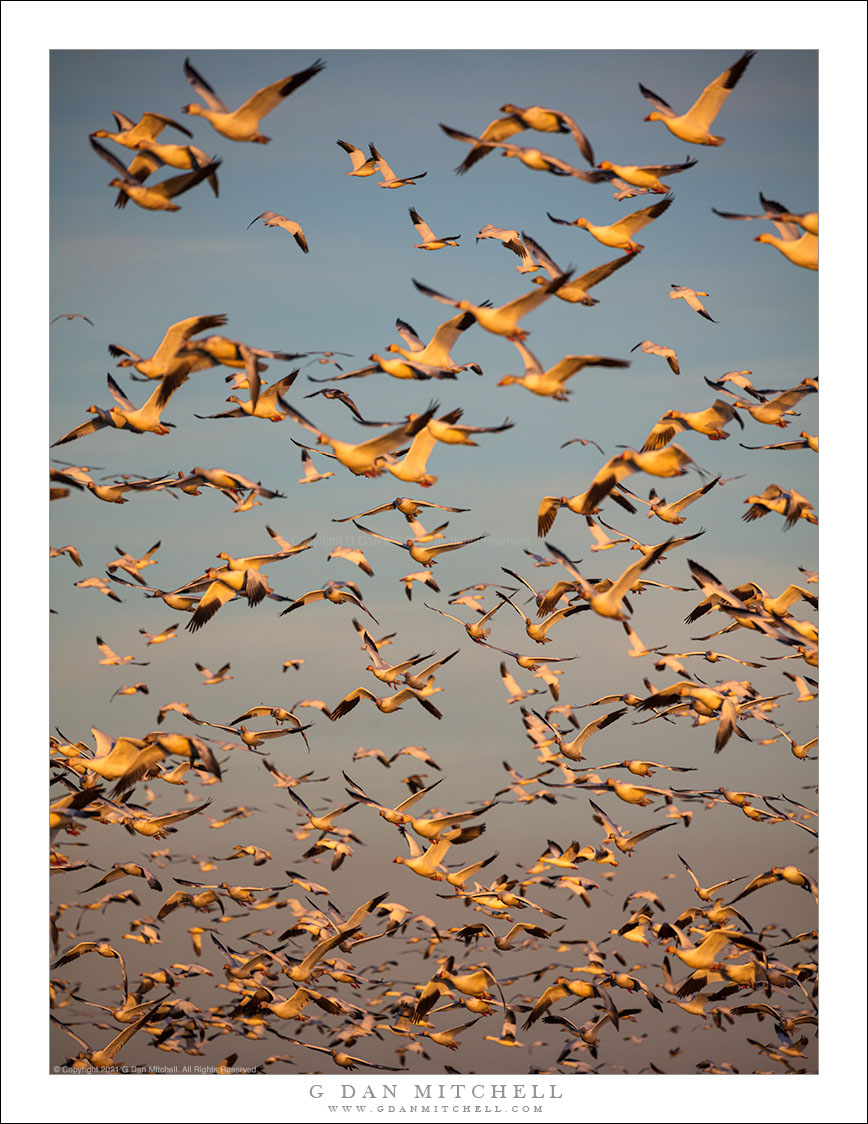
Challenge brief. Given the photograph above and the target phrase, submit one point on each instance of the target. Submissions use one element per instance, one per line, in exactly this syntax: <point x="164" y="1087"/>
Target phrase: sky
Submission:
<point x="135" y="272"/>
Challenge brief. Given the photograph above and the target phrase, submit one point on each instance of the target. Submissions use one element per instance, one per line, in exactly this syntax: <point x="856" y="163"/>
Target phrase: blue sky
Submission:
<point x="134" y="273"/>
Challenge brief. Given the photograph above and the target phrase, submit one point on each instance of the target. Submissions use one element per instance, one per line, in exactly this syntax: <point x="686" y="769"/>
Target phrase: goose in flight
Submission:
<point x="158" y="196"/>
<point x="132" y="565"/>
<point x="694" y="126"/>
<point x="706" y="893"/>
<point x="386" y="705"/>
<point x="783" y="501"/>
<point x="389" y="178"/>
<point x="572" y="748"/>
<point x="614" y="834"/>
<point x="362" y="459"/>
<point x="447" y="430"/>
<point x="710" y="422"/>
<point x="242" y="124"/>
<point x="131" y="133"/>
<point x="429" y="241"/>
<point x="802" y="249"/>
<point x="420" y="552"/>
<point x="70" y="550"/>
<point x="668" y="461"/>
<point x="475" y="629"/>
<point x="72" y="316"/>
<point x="790" y="874"/>
<point x="691" y="296"/>
<point x="175" y="352"/>
<point x="533" y="158"/>
<point x="335" y="593"/>
<point x="511" y="240"/>
<point x="534" y="117"/>
<point x="362" y="165"/>
<point x="105" y="1058"/>
<point x="575" y="291"/>
<point x="803" y="252"/>
<point x="502" y="321"/>
<point x="782" y="218"/>
<point x="773" y="411"/>
<point x="537" y="632"/>
<point x="671" y="512"/>
<point x="607" y="603"/>
<point x="271" y="218"/>
<point x="647" y="175"/>
<point x="660" y="349"/>
<point x="410" y="509"/>
<point x="551" y="383"/>
<point x="620" y="234"/>
<point x="151" y="156"/>
<point x="145" y="419"/>
<point x="435" y="355"/>
<point x="339" y="1057"/>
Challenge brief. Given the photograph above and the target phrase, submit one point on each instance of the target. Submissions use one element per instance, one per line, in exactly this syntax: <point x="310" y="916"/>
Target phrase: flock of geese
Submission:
<point x="485" y="951"/>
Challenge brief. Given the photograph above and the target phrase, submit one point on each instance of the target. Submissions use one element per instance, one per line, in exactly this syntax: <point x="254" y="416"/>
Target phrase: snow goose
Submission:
<point x="607" y="603"/>
<point x="429" y="241"/>
<point x="694" y="125"/>
<point x="804" y="251"/>
<point x="362" y="165"/>
<point x="706" y="893"/>
<point x="72" y="316"/>
<point x="620" y="234"/>
<point x="362" y="459"/>
<point x="671" y="512"/>
<point x="691" y="296"/>
<point x="511" y="240"/>
<point x="423" y="554"/>
<point x="784" y="501"/>
<point x="388" y="704"/>
<point x="534" y="117"/>
<point x="173" y="353"/>
<point x="336" y="593"/>
<point x="435" y="355"/>
<point x="710" y="422"/>
<point x="773" y="411"/>
<point x="533" y="158"/>
<point x="412" y="469"/>
<point x="59" y="551"/>
<point x="474" y="629"/>
<point x="145" y="419"/>
<point x="660" y="349"/>
<point x="537" y="632"/>
<point x="159" y="196"/>
<point x="131" y="133"/>
<point x="551" y="383"/>
<point x="572" y="749"/>
<point x="185" y="156"/>
<point x="575" y="291"/>
<point x="502" y="321"/>
<point x="389" y="178"/>
<point x="647" y="175"/>
<point x="410" y="509"/>
<point x="447" y="430"/>
<point x="783" y="219"/>
<point x="132" y="565"/>
<point x="271" y="218"/>
<point x="242" y="124"/>
<point x="669" y="461"/>
<point x="105" y="1058"/>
